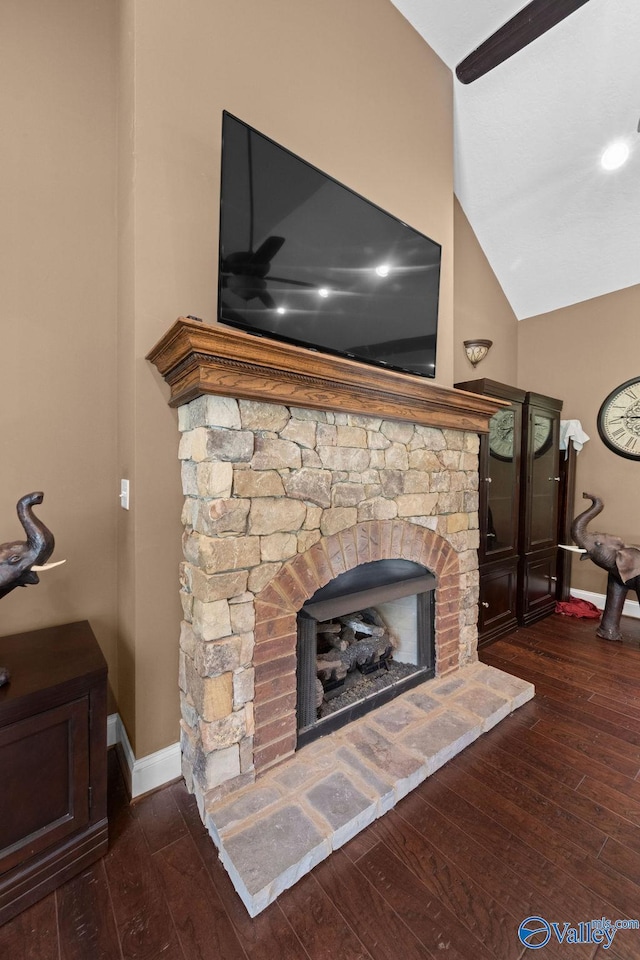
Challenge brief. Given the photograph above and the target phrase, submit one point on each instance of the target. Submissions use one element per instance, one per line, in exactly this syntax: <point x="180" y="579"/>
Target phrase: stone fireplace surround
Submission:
<point x="280" y="498"/>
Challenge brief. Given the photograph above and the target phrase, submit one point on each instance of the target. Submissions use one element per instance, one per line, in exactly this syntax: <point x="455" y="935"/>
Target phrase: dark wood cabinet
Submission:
<point x="539" y="506"/>
<point x="519" y="496"/>
<point x="53" y="742"/>
<point x="500" y="470"/>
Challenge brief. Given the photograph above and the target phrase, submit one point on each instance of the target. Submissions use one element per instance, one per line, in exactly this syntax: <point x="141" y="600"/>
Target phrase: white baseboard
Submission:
<point x="631" y="607"/>
<point x="149" y="772"/>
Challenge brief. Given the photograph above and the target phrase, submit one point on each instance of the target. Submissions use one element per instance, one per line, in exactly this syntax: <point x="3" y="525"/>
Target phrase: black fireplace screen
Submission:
<point x="365" y="637"/>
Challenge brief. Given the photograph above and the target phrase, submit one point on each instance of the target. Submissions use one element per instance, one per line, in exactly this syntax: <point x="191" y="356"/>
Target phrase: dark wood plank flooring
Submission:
<point x="539" y="817"/>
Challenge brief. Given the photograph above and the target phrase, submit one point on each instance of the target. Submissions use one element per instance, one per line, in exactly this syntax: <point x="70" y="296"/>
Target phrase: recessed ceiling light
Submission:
<point x="615" y="155"/>
<point x="323" y="292"/>
<point x="383" y="270"/>
<point x="280" y="310"/>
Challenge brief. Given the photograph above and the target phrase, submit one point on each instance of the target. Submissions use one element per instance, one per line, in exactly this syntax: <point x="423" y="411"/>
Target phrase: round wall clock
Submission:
<point x="619" y="420"/>
<point x="501" y="429"/>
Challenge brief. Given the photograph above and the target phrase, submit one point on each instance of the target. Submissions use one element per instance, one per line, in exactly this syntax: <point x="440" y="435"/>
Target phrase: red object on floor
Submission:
<point x="573" y="607"/>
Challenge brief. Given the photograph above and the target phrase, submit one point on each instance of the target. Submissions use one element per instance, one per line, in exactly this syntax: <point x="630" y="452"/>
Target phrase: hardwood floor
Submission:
<point x="539" y="817"/>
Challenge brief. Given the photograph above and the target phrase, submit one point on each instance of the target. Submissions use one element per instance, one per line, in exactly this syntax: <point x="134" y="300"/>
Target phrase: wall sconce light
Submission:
<point x="477" y="350"/>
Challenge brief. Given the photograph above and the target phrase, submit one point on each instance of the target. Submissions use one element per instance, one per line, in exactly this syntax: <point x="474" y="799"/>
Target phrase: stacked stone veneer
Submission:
<point x="279" y="501"/>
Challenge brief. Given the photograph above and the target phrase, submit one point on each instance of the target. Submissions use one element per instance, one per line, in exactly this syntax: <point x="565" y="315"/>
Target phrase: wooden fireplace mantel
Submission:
<point x="195" y="359"/>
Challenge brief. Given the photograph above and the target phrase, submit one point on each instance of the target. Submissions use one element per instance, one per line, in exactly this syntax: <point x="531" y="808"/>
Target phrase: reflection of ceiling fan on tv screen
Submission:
<point x="525" y="27"/>
<point x="244" y="272"/>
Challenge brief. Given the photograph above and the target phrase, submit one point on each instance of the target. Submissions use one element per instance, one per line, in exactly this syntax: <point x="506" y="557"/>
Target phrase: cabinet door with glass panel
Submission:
<point x="500" y="482"/>
<point x="499" y="471"/>
<point x="540" y="475"/>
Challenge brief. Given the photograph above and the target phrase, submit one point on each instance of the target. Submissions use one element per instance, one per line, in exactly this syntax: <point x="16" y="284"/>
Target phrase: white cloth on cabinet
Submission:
<point x="571" y="432"/>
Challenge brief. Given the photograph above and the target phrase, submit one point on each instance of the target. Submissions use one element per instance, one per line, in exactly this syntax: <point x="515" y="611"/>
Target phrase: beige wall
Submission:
<point x="126" y="362"/>
<point x="58" y="276"/>
<point x="481" y="310"/>
<point x="336" y="83"/>
<point x="580" y="354"/>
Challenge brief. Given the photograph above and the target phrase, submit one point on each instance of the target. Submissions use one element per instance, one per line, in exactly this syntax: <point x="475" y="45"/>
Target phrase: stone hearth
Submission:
<point x="281" y="498"/>
<point x="273" y="832"/>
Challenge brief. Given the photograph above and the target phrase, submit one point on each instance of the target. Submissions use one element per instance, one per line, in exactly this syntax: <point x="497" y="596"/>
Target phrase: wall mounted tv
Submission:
<point x="306" y="260"/>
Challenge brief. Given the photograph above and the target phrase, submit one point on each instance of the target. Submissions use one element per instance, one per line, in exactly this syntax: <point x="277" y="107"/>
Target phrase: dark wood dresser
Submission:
<point x="53" y="761"/>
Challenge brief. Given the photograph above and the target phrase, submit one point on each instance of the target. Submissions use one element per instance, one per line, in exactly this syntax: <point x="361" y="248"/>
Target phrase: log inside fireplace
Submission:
<point x="364" y="638"/>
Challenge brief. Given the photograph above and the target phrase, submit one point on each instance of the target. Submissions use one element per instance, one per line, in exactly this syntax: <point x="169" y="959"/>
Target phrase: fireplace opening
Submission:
<point x="364" y="638"/>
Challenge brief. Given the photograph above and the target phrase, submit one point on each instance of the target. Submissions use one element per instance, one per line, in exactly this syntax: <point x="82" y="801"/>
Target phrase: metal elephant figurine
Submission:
<point x="620" y="560"/>
<point x="22" y="560"/>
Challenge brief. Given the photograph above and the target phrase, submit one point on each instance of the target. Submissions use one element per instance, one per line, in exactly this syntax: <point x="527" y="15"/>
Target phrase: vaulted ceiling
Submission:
<point x="555" y="226"/>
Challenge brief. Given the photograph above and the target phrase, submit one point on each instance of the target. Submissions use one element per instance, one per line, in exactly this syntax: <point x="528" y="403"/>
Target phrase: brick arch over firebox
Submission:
<point x="298" y="579"/>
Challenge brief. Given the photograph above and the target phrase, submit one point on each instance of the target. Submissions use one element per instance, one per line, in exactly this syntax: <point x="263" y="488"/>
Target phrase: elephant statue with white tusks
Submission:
<point x="22" y="560"/>
<point x="620" y="560"/>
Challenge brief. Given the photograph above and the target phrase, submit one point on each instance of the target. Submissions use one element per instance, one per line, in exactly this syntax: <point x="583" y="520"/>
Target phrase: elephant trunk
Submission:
<point x="580" y="523"/>
<point x="39" y="537"/>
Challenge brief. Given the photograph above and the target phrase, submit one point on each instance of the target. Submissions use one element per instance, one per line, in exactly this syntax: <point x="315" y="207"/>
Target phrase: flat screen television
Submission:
<point x="306" y="260"/>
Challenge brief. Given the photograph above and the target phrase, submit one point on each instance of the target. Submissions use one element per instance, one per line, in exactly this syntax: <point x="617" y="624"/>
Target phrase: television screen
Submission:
<point x="307" y="260"/>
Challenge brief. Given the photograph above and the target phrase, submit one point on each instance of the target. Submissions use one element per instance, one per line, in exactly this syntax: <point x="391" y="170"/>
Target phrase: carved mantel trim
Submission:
<point x="196" y="359"/>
